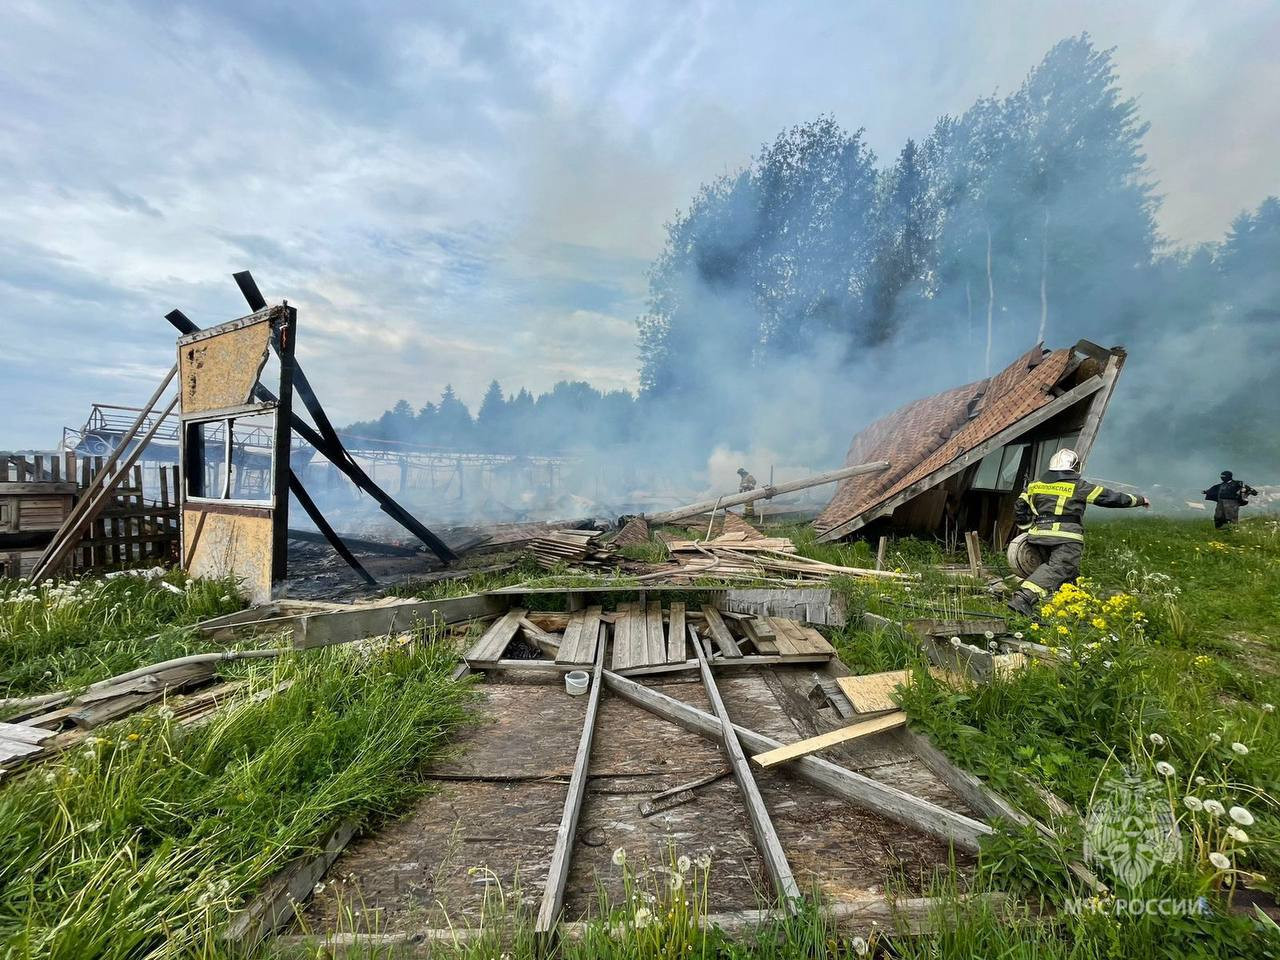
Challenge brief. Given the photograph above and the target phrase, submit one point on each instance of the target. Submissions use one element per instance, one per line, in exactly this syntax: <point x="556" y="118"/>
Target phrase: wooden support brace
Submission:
<point x="767" y="840"/>
<point x="558" y="871"/>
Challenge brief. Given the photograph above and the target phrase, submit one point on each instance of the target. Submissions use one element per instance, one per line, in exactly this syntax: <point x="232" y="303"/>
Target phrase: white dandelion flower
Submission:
<point x="1214" y="808"/>
<point x="676" y="881"/>
<point x="619" y="857"/>
<point x="702" y="861"/>
<point x="859" y="946"/>
<point x="1220" y="860"/>
<point x="1164" y="769"/>
<point x="988" y="634"/>
<point x="1238" y="835"/>
<point x="1156" y="739"/>
<point x="1240" y="748"/>
<point x="1242" y="816"/>
<point x="1215" y="738"/>
<point x="683" y="864"/>
<point x="1201" y="781"/>
<point x="644" y="917"/>
<point x="1018" y="635"/>
<point x="1192" y="803"/>
<point x="1268" y="708"/>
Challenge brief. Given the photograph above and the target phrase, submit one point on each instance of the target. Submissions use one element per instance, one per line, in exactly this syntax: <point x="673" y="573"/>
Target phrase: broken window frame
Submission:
<point x="195" y="463"/>
<point x="1011" y="454"/>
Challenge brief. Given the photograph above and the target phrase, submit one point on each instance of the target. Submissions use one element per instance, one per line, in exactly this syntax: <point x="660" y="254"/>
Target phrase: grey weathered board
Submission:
<point x="580" y="636"/>
<point x="719" y="632"/>
<point x="490" y="646"/>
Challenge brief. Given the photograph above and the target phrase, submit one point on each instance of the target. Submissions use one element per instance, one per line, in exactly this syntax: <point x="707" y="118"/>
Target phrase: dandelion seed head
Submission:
<point x="1164" y="768"/>
<point x="1220" y="860"/>
<point x="1241" y="816"/>
<point x="1239" y="748"/>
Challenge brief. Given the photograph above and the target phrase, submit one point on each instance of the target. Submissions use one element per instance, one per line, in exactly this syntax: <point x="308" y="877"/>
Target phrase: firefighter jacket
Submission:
<point x="747" y="484"/>
<point x="1051" y="509"/>
<point x="1230" y="490"/>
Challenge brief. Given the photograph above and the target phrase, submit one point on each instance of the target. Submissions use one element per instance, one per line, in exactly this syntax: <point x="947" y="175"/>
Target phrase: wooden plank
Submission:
<point x="558" y="871"/>
<point x="872" y="693"/>
<point x="496" y="638"/>
<point x="656" y="643"/>
<point x="15" y="749"/>
<point x="800" y="748"/>
<point x="766" y="637"/>
<point x="343" y="626"/>
<point x="676" y="638"/>
<point x="724" y="641"/>
<point x="974" y="551"/>
<point x="278" y="902"/>
<point x="569" y="651"/>
<point x="622" y="638"/>
<point x="880" y="798"/>
<point x="882" y="551"/>
<point x="767" y="840"/>
<point x="784" y="637"/>
<point x="815" y="642"/>
<point x="24" y="734"/>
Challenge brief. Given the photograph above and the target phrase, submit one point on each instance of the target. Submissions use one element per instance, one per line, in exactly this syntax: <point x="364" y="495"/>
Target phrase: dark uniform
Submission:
<point x="1230" y="494"/>
<point x="1051" y="511"/>
<point x="746" y="484"/>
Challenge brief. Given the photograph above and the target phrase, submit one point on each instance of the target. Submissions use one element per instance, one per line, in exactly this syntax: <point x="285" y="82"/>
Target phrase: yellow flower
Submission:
<point x="1099" y="623"/>
<point x="134" y="736"/>
<point x="1063" y="631"/>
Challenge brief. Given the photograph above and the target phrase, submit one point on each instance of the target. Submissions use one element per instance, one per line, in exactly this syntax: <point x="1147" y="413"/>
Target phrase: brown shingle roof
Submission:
<point x="931" y="432"/>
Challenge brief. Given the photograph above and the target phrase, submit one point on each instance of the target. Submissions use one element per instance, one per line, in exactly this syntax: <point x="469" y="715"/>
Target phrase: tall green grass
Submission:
<point x="74" y="632"/>
<point x="143" y="841"/>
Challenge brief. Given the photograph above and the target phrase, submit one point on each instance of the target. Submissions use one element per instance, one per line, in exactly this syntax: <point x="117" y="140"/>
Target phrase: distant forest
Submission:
<point x="1029" y="217"/>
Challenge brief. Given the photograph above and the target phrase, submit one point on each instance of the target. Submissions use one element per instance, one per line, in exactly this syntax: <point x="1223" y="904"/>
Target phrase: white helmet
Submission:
<point x="1064" y="459"/>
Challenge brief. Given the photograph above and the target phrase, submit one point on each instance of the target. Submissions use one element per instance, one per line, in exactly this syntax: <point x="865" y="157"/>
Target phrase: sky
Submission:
<point x="452" y="192"/>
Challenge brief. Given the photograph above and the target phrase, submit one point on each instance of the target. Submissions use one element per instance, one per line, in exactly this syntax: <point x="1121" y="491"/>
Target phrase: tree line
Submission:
<point x="1028" y="217"/>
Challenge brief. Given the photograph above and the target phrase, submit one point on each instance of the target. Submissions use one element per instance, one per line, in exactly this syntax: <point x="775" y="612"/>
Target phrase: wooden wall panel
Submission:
<point x="235" y="543"/>
<point x="221" y="371"/>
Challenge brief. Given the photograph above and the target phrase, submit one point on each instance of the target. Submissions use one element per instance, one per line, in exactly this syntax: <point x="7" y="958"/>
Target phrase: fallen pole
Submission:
<point x="880" y="798"/>
<point x="766" y="493"/>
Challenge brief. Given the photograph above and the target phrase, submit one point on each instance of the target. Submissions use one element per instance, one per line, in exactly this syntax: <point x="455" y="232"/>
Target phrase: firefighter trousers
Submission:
<point x="1061" y="565"/>
<point x="1227" y="511"/>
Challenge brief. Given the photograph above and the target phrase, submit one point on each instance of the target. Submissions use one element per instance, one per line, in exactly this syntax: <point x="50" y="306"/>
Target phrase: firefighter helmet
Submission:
<point x="1064" y="459"/>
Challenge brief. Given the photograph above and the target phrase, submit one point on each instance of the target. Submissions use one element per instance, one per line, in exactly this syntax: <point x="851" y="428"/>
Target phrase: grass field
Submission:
<point x="143" y="843"/>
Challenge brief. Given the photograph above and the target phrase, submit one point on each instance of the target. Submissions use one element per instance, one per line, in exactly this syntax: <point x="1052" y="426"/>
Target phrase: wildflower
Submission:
<point x="1108" y="664"/>
<point x="1100" y="623"/>
<point x="1192" y="803"/>
<point x="702" y="861"/>
<point x="1214" y="808"/>
<point x="1201" y="781"/>
<point x="1215" y="738"/>
<point x="1034" y="626"/>
<point x="1164" y="769"/>
<point x="989" y="635"/>
<point x="955" y="641"/>
<point x="134" y="736"/>
<point x="644" y="917"/>
<point x="1238" y="835"/>
<point x="1063" y="631"/>
<point x="619" y="857"/>
<point x="676" y="881"/>
<point x="1241" y="816"/>
<point x="1156" y="739"/>
<point x="992" y="645"/>
<point x="1268" y="708"/>
<point x="1240" y="748"/>
<point x="318" y="889"/>
<point x="683" y="864"/>
<point x="1220" y="860"/>
<point x="859" y="946"/>
<point x="1018" y="635"/>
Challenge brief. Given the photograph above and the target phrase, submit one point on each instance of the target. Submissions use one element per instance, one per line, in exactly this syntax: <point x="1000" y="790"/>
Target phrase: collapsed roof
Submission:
<point x="937" y="445"/>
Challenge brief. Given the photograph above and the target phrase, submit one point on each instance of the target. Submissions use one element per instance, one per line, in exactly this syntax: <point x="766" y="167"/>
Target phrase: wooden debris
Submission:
<point x="864" y="728"/>
<point x="581" y="633"/>
<point x="575" y="548"/>
<point x="490" y="646"/>
<point x="719" y="633"/>
<point x="634" y="533"/>
<point x="872" y="693"/>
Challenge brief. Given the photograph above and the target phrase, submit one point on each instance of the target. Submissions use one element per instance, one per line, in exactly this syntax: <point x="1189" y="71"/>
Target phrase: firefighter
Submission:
<point x="1230" y="495"/>
<point x="746" y="483"/>
<point x="1051" y="511"/>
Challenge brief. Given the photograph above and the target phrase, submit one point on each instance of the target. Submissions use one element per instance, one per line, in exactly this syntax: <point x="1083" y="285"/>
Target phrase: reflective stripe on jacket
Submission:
<point x="1052" y="508"/>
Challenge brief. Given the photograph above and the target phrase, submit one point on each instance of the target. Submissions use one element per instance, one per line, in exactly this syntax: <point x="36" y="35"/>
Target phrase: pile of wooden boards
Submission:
<point x="738" y="555"/>
<point x="645" y="635"/>
<point x="575" y="548"/>
<point x="37" y="738"/>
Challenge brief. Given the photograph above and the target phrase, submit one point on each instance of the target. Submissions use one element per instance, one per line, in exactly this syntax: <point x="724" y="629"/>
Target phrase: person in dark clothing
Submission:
<point x="1051" y="511"/>
<point x="746" y="483"/>
<point x="1230" y="495"/>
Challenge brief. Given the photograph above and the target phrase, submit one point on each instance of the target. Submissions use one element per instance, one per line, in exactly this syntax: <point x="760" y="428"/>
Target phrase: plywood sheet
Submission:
<point x="237" y="544"/>
<point x="220" y="371"/>
<point x="873" y="692"/>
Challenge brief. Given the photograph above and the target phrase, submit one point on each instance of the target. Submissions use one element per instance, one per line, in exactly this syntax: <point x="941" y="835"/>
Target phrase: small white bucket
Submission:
<point x="577" y="682"/>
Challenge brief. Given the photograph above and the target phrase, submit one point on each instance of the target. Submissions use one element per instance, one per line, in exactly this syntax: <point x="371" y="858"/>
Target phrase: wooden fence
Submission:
<point x="38" y="490"/>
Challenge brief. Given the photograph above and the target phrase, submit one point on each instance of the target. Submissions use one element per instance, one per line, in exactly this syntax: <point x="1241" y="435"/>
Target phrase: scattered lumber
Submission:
<point x="873" y="692"/>
<point x="863" y="728"/>
<point x="577" y="548"/>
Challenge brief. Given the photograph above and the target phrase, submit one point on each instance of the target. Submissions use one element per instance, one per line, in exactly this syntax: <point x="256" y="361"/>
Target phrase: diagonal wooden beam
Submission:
<point x="558" y="871"/>
<point x="869" y="794"/>
<point x="767" y="841"/>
